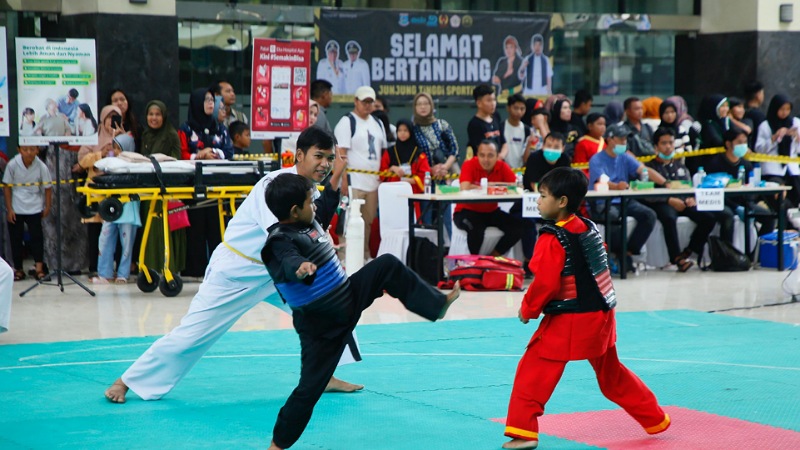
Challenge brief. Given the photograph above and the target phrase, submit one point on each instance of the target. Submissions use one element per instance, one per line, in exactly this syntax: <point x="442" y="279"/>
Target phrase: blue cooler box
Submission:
<point x="768" y="250"/>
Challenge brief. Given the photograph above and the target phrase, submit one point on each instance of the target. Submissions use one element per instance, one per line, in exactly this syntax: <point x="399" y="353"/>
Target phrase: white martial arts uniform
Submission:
<point x="6" y="286"/>
<point x="235" y="281"/>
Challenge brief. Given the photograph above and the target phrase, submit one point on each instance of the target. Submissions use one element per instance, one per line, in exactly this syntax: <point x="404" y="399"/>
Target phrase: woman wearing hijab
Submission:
<point x="88" y="155"/>
<point x="713" y="117"/>
<point x="668" y="112"/>
<point x="614" y="111"/>
<point x="778" y="136"/>
<point x="685" y="121"/>
<point x="202" y="136"/>
<point x="161" y="137"/>
<point x="405" y="159"/>
<point x="560" y="121"/>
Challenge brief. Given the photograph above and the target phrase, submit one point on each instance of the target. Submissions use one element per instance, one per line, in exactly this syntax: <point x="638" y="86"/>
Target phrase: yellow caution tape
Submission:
<point x="758" y="157"/>
<point x="257" y="156"/>
<point x="42" y="183"/>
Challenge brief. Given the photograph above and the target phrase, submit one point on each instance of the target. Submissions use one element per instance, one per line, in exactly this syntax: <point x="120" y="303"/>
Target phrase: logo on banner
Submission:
<point x="443" y="20"/>
<point x="455" y="21"/>
<point x="467" y="21"/>
<point x="433" y="21"/>
<point x="404" y="21"/>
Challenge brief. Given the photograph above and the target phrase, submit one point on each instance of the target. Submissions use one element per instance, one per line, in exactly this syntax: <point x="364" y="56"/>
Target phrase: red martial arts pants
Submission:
<point x="537" y="378"/>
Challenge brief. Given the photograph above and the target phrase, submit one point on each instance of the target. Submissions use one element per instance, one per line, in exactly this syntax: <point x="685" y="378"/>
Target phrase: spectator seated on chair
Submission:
<point x="669" y="208"/>
<point x="474" y="218"/>
<point x="621" y="167"/>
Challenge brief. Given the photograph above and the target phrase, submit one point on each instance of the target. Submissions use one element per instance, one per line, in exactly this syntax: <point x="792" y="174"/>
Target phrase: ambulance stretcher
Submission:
<point x="196" y="183"/>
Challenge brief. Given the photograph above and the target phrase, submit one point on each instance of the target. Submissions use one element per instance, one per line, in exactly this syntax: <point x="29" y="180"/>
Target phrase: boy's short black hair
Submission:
<point x="735" y="101"/>
<point x="556" y="135"/>
<point x="237" y="127"/>
<point x="660" y="132"/>
<point x="566" y="182"/>
<point x="285" y="191"/>
<point x="481" y="90"/>
<point x="751" y="89"/>
<point x="516" y="98"/>
<point x="319" y="88"/>
<point x="384" y="101"/>
<point x="594" y="117"/>
<point x="629" y="101"/>
<point x="315" y="137"/>
<point x="731" y="134"/>
<point x="582" y="96"/>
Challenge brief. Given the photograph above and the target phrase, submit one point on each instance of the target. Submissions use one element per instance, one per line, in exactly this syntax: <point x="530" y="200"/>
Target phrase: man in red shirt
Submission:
<point x="474" y="218"/>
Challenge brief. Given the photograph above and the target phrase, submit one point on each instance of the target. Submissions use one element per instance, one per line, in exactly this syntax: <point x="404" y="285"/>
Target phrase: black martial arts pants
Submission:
<point x="325" y="327"/>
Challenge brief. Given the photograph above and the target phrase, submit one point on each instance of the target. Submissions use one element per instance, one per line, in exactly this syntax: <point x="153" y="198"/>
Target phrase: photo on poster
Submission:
<point x="57" y="91"/>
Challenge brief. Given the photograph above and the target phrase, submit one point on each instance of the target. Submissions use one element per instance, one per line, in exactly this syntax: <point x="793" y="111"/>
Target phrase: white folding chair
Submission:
<point x="393" y="219"/>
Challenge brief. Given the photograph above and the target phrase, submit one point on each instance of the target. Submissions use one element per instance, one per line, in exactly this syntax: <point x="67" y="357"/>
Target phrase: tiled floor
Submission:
<point x="46" y="315"/>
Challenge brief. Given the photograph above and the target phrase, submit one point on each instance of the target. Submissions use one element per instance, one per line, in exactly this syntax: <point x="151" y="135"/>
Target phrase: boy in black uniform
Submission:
<point x="326" y="304"/>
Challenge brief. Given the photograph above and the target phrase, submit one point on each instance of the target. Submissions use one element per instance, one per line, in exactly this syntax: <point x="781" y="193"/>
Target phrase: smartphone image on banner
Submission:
<point x="281" y="102"/>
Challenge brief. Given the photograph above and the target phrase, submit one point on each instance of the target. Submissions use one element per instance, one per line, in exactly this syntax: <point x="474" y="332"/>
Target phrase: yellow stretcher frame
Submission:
<point x="95" y="196"/>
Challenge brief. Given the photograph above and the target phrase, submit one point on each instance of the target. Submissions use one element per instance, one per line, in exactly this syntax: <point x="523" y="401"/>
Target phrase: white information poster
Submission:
<point x="57" y="91"/>
<point x="5" y="128"/>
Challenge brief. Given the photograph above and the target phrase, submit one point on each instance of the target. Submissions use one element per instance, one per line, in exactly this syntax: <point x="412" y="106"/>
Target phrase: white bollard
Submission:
<point x="354" y="233"/>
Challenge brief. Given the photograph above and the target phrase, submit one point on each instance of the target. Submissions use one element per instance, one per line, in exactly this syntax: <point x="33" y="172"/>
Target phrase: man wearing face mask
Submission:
<point x="620" y="168"/>
<point x="669" y="208"/>
<point x="735" y="141"/>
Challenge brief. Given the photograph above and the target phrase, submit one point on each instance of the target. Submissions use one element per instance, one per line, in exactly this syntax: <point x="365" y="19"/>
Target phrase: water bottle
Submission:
<point x="354" y="232"/>
<point x="520" y="186"/>
<point x="756" y="179"/>
<point x="697" y="179"/>
<point x="428" y="185"/>
<point x="484" y="185"/>
<point x="644" y="175"/>
<point x="740" y="175"/>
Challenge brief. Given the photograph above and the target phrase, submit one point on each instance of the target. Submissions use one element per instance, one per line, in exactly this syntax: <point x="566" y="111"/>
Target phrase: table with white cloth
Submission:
<point x="440" y="203"/>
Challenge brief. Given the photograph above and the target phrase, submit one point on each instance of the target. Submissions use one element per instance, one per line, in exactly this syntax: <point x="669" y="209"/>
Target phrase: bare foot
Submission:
<point x="272" y="446"/>
<point x="521" y="443"/>
<point x="451" y="297"/>
<point x="116" y="393"/>
<point x="337" y="385"/>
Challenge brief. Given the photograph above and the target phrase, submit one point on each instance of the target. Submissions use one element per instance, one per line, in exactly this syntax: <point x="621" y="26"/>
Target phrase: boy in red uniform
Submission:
<point x="572" y="286"/>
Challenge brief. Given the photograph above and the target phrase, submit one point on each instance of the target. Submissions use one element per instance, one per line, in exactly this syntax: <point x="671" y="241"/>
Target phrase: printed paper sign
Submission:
<point x="57" y="91"/>
<point x="710" y="199"/>
<point x="530" y="204"/>
<point x="281" y="88"/>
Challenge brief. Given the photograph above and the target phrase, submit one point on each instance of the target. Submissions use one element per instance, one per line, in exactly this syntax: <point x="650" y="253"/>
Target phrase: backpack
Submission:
<point x="485" y="273"/>
<point x="424" y="262"/>
<point x="725" y="257"/>
<point x="353" y="125"/>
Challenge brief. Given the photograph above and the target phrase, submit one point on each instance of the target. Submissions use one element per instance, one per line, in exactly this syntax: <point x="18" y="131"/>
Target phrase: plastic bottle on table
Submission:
<point x="756" y="180"/>
<point x="484" y="185"/>
<point x="697" y="179"/>
<point x="428" y="184"/>
<point x="644" y="176"/>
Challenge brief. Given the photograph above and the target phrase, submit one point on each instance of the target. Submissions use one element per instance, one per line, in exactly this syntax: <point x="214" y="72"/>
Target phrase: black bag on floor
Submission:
<point x="725" y="257"/>
<point x="424" y="262"/>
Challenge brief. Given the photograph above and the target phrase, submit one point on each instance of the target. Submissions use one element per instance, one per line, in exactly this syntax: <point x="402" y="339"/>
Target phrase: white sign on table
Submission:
<point x="710" y="199"/>
<point x="530" y="205"/>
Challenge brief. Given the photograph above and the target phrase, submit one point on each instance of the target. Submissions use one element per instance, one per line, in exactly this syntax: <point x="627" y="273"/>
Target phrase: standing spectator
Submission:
<point x="161" y="137"/>
<point x="225" y="89"/>
<point x="26" y="206"/>
<point x="506" y="71"/>
<point x="356" y="70"/>
<point x="735" y="141"/>
<point x="485" y="124"/>
<point x="382" y="105"/>
<point x="581" y="107"/>
<point x="640" y="139"/>
<point x="536" y="73"/>
<point x="737" y="115"/>
<point x="516" y="133"/>
<point x="321" y="93"/>
<point x="620" y="167"/>
<point x="362" y="138"/>
<point x="668" y="111"/>
<point x="130" y="124"/>
<point x="68" y="105"/>
<point x="88" y="155"/>
<point x="561" y="122"/>
<point x="474" y="218"/>
<point x="754" y="98"/>
<point x="668" y="209"/>
<point x="330" y="68"/>
<point x="592" y="143"/>
<point x="537" y="116"/>
<point x="778" y="136"/>
<point x="614" y="112"/>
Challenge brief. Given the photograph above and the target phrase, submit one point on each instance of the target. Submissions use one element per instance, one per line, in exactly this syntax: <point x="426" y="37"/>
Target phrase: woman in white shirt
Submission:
<point x="778" y="136"/>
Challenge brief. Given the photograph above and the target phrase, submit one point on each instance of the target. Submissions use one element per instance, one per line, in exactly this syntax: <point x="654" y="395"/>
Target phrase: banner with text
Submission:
<point x="57" y="91"/>
<point x="281" y="88"/>
<point x="401" y="53"/>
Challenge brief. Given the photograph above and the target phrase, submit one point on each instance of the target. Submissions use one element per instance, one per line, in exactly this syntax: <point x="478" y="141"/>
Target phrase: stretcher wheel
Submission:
<point x="172" y="288"/>
<point x="110" y="209"/>
<point x="144" y="285"/>
<point x="86" y="211"/>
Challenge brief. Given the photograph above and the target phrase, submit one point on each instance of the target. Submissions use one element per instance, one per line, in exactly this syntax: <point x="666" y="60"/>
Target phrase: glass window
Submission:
<point x="670" y="7"/>
<point x="578" y="6"/>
